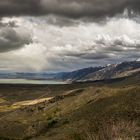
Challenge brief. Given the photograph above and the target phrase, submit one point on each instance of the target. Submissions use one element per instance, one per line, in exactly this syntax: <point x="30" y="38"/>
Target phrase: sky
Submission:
<point x="65" y="35"/>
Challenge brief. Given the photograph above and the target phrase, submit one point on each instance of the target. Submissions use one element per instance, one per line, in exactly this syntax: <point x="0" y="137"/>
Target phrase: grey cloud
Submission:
<point x="68" y="8"/>
<point x="8" y="24"/>
<point x="61" y="21"/>
<point x="105" y="53"/>
<point x="11" y="39"/>
<point x="96" y="56"/>
<point x="88" y="55"/>
<point x="118" y="44"/>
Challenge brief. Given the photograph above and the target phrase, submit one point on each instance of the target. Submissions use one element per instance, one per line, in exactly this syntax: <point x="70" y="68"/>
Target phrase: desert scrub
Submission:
<point x="75" y="135"/>
<point x="52" y="122"/>
<point x="122" y="130"/>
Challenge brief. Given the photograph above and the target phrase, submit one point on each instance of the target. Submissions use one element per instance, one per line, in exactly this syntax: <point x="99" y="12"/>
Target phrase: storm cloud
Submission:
<point x="13" y="37"/>
<point x="63" y="35"/>
<point x="68" y="8"/>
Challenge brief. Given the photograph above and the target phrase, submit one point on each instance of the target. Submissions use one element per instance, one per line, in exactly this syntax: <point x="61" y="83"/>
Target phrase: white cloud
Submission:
<point x="78" y="45"/>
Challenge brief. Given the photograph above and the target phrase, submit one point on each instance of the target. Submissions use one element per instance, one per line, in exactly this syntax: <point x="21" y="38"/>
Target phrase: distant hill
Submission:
<point x="78" y="74"/>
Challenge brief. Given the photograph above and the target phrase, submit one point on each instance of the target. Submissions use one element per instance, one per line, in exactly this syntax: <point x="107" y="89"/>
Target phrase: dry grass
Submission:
<point x="92" y="112"/>
<point x="31" y="102"/>
<point x="121" y="130"/>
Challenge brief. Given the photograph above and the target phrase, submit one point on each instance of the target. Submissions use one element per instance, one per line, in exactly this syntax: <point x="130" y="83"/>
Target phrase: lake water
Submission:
<point x="26" y="81"/>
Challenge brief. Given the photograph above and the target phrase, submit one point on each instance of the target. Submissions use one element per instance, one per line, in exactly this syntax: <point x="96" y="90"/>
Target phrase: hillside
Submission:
<point x="112" y="71"/>
<point x="76" y="75"/>
<point x="79" y="111"/>
<point x="115" y="71"/>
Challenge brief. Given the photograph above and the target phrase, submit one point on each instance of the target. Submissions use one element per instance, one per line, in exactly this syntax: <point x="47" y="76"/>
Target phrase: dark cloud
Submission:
<point x="68" y="8"/>
<point x="13" y="38"/>
<point x="19" y="7"/>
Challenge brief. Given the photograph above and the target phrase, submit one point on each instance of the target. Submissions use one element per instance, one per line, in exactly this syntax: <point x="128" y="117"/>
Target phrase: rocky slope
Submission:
<point x="112" y="71"/>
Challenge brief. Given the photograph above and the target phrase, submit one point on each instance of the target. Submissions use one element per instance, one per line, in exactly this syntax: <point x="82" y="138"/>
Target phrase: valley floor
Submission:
<point x="103" y="110"/>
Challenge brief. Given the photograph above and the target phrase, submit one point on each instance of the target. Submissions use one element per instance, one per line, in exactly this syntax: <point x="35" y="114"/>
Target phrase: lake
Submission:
<point x="27" y="81"/>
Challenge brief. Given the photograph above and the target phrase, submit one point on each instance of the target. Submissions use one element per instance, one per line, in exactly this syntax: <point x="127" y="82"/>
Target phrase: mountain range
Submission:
<point x="110" y="71"/>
